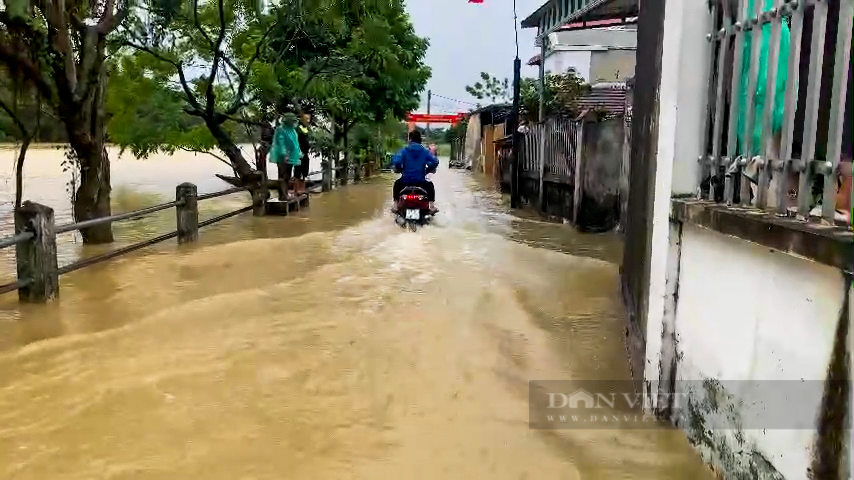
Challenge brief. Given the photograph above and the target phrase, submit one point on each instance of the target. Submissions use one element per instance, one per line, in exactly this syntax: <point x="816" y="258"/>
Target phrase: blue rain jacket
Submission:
<point x="413" y="161"/>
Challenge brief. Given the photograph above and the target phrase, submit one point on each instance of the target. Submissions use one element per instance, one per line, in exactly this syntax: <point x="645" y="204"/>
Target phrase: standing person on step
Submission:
<point x="301" y="172"/>
<point x="285" y="152"/>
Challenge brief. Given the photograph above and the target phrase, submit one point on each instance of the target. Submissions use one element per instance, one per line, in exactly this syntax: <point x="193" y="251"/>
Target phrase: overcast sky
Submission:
<point x="468" y="38"/>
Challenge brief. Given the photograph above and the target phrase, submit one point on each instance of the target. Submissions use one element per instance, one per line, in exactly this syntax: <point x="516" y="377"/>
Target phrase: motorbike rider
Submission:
<point x="414" y="162"/>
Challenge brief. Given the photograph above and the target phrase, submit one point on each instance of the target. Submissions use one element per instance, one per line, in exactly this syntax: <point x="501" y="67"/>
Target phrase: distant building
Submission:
<point x="604" y="54"/>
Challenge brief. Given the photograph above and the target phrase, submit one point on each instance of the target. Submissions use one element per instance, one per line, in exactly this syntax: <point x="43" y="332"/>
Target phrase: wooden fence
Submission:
<point x="549" y="152"/>
<point x="35" y="238"/>
<point x="573" y="169"/>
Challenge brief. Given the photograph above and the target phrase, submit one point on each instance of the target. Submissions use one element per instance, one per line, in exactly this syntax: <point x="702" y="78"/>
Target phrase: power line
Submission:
<point x="453" y="99"/>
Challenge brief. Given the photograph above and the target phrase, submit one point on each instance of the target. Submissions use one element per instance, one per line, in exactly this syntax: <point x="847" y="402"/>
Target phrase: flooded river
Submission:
<point x="326" y="345"/>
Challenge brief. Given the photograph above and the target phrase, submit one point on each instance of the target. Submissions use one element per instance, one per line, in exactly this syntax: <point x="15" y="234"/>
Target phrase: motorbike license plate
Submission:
<point x="413" y="214"/>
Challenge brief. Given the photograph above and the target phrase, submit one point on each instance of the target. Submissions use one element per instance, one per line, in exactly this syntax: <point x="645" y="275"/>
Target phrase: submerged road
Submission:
<point x="328" y="345"/>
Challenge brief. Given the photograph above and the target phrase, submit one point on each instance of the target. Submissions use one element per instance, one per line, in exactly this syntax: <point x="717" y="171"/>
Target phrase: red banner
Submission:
<point x="427" y="118"/>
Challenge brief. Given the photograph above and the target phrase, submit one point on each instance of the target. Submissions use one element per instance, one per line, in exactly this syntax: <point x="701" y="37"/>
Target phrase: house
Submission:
<point x="604" y="54"/>
<point x="486" y="125"/>
<point x="737" y="280"/>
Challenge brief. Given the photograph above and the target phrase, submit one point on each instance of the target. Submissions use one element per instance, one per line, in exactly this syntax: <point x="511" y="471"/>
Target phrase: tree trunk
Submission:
<point x="357" y="170"/>
<point x="85" y="125"/>
<point x="267" y="133"/>
<point x="92" y="199"/>
<point x="233" y="153"/>
<point x="19" y="169"/>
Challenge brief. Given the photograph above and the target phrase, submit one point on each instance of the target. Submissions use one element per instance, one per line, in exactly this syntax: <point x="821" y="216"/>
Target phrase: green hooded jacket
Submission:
<point x="285" y="147"/>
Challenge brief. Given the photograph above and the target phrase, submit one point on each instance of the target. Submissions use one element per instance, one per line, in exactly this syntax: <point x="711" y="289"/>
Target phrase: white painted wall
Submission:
<point x="602" y="37"/>
<point x="684" y="62"/>
<point x="747" y="313"/>
<point x="559" y="61"/>
<point x="734" y="310"/>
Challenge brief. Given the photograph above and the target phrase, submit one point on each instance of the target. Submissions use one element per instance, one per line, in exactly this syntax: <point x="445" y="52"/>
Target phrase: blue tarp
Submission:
<point x="759" y="92"/>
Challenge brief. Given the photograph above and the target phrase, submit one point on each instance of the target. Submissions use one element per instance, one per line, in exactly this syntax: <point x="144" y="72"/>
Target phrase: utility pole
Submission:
<point x="429" y="97"/>
<point x="544" y="40"/>
<point x="515" y="199"/>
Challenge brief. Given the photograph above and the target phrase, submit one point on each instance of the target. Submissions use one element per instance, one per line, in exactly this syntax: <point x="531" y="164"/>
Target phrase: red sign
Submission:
<point x="426" y="118"/>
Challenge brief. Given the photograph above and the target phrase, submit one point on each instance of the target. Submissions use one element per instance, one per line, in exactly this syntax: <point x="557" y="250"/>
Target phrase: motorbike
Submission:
<point x="414" y="209"/>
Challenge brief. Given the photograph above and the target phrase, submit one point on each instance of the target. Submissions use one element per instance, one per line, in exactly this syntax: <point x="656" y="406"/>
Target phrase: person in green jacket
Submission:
<point x="285" y="152"/>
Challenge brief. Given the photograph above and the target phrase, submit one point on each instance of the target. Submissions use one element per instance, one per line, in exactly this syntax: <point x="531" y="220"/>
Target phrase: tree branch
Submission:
<point x="113" y="17"/>
<point x="191" y="97"/>
<point x="244" y="77"/>
<point x="12" y="56"/>
<point x="25" y="145"/>
<point x="210" y="96"/>
<point x="199" y="25"/>
<point x="195" y="150"/>
<point x="244" y="120"/>
<point x="14" y="116"/>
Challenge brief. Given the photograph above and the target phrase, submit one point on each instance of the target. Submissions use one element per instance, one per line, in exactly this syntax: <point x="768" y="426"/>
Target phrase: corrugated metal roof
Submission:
<point x="607" y="96"/>
<point x="612" y="23"/>
<point x="588" y="10"/>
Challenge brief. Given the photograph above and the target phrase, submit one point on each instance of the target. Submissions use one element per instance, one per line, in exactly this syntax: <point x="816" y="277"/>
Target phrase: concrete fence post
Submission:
<point x="259" y="202"/>
<point x="542" y="166"/>
<point x="187" y="213"/>
<point x="262" y="193"/>
<point x="326" y="168"/>
<point x="36" y="258"/>
<point x="580" y="164"/>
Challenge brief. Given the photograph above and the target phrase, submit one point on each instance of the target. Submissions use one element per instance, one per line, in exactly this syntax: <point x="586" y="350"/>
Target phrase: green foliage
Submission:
<point x="321" y="140"/>
<point x="146" y="116"/>
<point x="490" y="88"/>
<point x="561" y="95"/>
<point x="434" y="135"/>
<point x="352" y="62"/>
<point x="381" y="67"/>
<point x="25" y="103"/>
<point x="456" y="131"/>
<point x="373" y="140"/>
<point x="204" y="75"/>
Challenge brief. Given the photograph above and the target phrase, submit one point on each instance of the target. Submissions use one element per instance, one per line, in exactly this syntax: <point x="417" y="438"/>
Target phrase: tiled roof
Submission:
<point x="607" y="96"/>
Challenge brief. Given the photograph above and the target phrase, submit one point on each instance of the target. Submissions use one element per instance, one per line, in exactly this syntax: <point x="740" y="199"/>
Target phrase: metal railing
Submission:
<point x="757" y="154"/>
<point x="550" y="147"/>
<point x="36" y="255"/>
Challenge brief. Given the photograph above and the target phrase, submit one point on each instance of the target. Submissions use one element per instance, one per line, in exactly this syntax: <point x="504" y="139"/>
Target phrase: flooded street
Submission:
<point x="330" y="344"/>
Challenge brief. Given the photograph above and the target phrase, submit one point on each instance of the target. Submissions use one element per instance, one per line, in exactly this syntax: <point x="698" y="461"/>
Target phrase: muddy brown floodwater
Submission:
<point x="326" y="345"/>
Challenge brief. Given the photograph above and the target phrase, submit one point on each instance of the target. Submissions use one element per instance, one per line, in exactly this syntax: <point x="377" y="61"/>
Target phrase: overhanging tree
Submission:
<point x="385" y="73"/>
<point x="60" y="49"/>
<point x="212" y="36"/>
